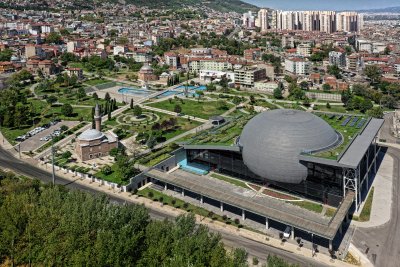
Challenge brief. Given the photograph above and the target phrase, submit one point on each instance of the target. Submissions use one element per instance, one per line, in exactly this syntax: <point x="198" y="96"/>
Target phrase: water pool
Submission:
<point x="134" y="91"/>
<point x="194" y="88"/>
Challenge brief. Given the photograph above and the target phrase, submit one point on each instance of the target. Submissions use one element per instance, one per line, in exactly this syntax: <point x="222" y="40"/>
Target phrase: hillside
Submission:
<point x="219" y="5"/>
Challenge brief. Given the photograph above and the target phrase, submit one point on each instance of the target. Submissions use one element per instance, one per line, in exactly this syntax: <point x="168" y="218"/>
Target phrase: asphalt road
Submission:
<point x="254" y="249"/>
<point x="382" y="244"/>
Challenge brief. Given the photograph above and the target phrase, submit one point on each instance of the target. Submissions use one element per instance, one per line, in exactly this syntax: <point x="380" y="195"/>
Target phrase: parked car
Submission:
<point x="287" y="232"/>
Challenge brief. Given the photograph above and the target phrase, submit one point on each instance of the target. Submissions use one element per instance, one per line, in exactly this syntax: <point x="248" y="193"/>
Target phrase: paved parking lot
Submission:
<point x="34" y="142"/>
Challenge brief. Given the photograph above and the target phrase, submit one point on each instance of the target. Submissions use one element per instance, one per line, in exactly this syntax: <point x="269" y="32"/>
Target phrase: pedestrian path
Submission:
<point x="382" y="198"/>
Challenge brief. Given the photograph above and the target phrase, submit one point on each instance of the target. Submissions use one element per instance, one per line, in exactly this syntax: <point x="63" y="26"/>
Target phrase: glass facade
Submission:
<point x="323" y="184"/>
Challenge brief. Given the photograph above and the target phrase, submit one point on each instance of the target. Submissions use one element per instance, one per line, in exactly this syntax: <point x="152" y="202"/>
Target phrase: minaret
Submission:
<point x="97" y="117"/>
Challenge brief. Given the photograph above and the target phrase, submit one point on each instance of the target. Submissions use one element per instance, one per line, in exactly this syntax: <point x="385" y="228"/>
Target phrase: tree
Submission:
<point x="375" y="112"/>
<point x="373" y="72"/>
<point x="106" y="170"/>
<point x="304" y="85"/>
<point x="67" y="110"/>
<point x="131" y="105"/>
<point x="278" y="93"/>
<point x="326" y="87"/>
<point x="211" y="87"/>
<point x="81" y="93"/>
<point x="53" y="38"/>
<point x="177" y="109"/>
<point x="95" y="96"/>
<point x="366" y="105"/>
<point x="388" y="101"/>
<point x="335" y="71"/>
<point x="221" y="105"/>
<point x="252" y="99"/>
<point x="5" y="55"/>
<point x="107" y="97"/>
<point x="51" y="99"/>
<point x="236" y="100"/>
<point x="137" y="111"/>
<point x="345" y="97"/>
<point x="66" y="155"/>
<point x="328" y="106"/>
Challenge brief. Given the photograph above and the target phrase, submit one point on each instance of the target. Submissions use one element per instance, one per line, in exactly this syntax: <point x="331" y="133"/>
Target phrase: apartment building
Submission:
<point x="247" y="76"/>
<point x="298" y="66"/>
<point x="337" y="58"/>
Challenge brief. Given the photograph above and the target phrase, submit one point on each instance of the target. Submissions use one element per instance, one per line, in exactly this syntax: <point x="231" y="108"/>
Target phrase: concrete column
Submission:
<point x="266" y="223"/>
<point x="201" y="200"/>
<point x="340" y="229"/>
<point x="243" y="215"/>
<point x="330" y="245"/>
<point x="222" y="206"/>
<point x="183" y="192"/>
<point x="375" y="157"/>
<point x="165" y="187"/>
<point x="292" y="235"/>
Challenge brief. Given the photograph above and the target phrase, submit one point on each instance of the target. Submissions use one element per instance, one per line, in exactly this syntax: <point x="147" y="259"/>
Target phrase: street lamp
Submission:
<point x="52" y="160"/>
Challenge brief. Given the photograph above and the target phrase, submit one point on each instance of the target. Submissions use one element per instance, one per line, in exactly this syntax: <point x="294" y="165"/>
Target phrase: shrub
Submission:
<point x="106" y="170"/>
<point x="161" y="199"/>
<point x="255" y="261"/>
<point x="237" y="221"/>
<point x="185" y="205"/>
<point x="224" y="217"/>
<point x="173" y="202"/>
<point x="150" y="194"/>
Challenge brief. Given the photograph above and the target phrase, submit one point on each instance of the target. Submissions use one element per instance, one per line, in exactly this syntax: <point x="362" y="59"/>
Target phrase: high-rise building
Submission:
<point x="248" y="20"/>
<point x="263" y="19"/>
<point x="323" y="21"/>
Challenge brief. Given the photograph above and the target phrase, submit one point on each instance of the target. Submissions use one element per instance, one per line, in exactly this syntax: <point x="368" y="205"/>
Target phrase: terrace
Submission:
<point x="348" y="126"/>
<point x="224" y="135"/>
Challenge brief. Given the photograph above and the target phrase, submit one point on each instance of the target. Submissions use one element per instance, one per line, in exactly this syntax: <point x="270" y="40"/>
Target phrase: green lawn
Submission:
<point x="113" y="177"/>
<point x="79" y="112"/>
<point x="96" y="81"/>
<point x="180" y="204"/>
<point x="182" y="125"/>
<point x="308" y="205"/>
<point x="224" y="135"/>
<point x="366" y="211"/>
<point x="335" y="108"/>
<point x="330" y="212"/>
<point x="347" y="132"/>
<point x="202" y="109"/>
<point x="264" y="103"/>
<point x="229" y="180"/>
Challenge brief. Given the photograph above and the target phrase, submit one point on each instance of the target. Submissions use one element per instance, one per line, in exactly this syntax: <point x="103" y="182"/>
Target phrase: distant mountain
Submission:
<point x="220" y="5"/>
<point x="395" y="9"/>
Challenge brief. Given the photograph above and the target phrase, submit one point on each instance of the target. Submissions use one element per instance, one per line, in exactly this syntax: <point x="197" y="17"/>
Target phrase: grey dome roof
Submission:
<point x="90" y="134"/>
<point x="273" y="140"/>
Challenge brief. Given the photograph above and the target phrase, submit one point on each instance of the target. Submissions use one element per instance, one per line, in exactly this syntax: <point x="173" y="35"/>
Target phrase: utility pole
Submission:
<point x="52" y="160"/>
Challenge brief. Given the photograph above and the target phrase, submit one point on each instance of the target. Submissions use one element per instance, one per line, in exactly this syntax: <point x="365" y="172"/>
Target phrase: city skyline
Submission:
<point x="336" y="5"/>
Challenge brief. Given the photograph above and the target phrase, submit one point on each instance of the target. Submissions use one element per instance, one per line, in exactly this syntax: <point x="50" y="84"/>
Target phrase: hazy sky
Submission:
<point x="324" y="4"/>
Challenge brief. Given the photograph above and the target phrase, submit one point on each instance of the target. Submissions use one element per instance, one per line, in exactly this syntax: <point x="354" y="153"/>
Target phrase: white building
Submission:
<point x="323" y="21"/>
<point x="397" y="66"/>
<point x="120" y="50"/>
<point x="304" y="49"/>
<point x="248" y="20"/>
<point x="265" y="86"/>
<point x="206" y="64"/>
<point x="263" y="19"/>
<point x="337" y="58"/>
<point x="298" y="66"/>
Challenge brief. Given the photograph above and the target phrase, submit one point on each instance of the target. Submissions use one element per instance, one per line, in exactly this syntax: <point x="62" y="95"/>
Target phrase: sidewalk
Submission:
<point x="382" y="199"/>
<point x="214" y="225"/>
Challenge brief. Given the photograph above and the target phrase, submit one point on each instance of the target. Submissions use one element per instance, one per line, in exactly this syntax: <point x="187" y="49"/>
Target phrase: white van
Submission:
<point x="287" y="232"/>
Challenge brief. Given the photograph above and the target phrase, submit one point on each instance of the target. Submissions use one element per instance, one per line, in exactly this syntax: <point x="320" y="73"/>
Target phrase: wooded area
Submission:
<point x="53" y="226"/>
